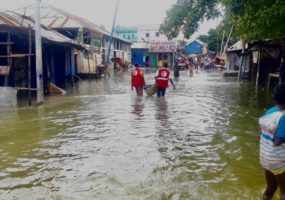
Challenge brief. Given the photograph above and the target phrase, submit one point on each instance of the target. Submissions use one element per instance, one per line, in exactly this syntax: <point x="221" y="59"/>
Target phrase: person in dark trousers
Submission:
<point x="272" y="145"/>
<point x="176" y="69"/>
<point x="162" y="77"/>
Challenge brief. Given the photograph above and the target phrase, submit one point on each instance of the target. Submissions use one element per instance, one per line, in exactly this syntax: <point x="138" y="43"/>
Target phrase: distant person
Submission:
<point x="147" y="63"/>
<point x="162" y="77"/>
<point x="272" y="145"/>
<point x="137" y="79"/>
<point x="176" y="69"/>
<point x="190" y="68"/>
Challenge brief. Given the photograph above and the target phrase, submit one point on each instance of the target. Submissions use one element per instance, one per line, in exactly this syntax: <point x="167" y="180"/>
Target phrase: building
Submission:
<point x="237" y="61"/>
<point x="196" y="47"/>
<point x="152" y="47"/>
<point x="150" y="33"/>
<point x="95" y="38"/>
<point x="127" y="33"/>
<point x="17" y="54"/>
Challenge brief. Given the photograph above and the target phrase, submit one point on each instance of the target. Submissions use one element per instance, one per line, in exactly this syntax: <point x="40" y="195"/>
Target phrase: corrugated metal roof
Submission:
<point x="13" y="19"/>
<point x="53" y="17"/>
<point x="197" y="40"/>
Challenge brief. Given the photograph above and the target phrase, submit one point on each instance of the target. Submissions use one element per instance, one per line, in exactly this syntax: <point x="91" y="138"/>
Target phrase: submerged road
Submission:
<point x="102" y="142"/>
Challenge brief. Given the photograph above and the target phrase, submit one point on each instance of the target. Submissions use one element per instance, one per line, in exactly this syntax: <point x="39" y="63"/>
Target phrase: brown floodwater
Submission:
<point x="101" y="141"/>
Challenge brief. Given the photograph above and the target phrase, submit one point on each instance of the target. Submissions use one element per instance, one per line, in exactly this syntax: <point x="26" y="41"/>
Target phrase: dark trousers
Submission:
<point x="160" y="91"/>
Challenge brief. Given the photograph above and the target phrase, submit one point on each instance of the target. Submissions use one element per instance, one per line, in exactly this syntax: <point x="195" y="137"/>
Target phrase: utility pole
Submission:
<point x="228" y="39"/>
<point x="39" y="64"/>
<point x="112" y="32"/>
<point x="222" y="43"/>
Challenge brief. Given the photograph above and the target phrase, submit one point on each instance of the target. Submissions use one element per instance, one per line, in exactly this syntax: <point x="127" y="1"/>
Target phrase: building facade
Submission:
<point x="196" y="47"/>
<point x="152" y="47"/>
<point x="128" y="33"/>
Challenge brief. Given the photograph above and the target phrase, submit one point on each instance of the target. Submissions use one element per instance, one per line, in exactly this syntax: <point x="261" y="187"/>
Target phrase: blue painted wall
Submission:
<point x="193" y="48"/>
<point x="137" y="56"/>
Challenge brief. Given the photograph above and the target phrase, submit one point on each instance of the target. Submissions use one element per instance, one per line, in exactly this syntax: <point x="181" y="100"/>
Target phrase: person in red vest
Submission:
<point x="137" y="79"/>
<point x="162" y="77"/>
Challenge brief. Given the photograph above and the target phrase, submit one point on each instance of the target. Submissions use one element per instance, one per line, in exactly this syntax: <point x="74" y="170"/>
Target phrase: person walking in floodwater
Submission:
<point x="272" y="145"/>
<point x="176" y="69"/>
<point x="137" y="79"/>
<point x="162" y="77"/>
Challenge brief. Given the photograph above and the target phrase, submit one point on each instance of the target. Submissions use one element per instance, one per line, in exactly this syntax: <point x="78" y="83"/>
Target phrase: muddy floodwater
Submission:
<point x="101" y="142"/>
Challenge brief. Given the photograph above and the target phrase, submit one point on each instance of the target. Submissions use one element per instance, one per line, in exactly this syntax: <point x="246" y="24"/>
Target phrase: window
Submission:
<point x="124" y="36"/>
<point x="157" y="34"/>
<point x="147" y="35"/>
<point x="133" y="36"/>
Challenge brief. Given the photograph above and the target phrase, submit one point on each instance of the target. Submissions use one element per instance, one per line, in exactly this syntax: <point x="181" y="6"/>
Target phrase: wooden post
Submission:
<point x="29" y="66"/>
<point x="222" y="43"/>
<point x="88" y="66"/>
<point x="242" y="58"/>
<point x="282" y="60"/>
<point x="9" y="59"/>
<point x="258" y="64"/>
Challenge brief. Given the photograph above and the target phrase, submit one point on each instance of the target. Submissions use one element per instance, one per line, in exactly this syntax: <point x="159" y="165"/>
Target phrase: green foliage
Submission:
<point x="252" y="19"/>
<point x="260" y="19"/>
<point x="185" y="16"/>
<point x="213" y="39"/>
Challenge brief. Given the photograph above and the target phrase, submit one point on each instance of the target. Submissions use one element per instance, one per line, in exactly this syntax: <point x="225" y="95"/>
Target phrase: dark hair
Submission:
<point x="165" y="65"/>
<point x="136" y="65"/>
<point x="279" y="94"/>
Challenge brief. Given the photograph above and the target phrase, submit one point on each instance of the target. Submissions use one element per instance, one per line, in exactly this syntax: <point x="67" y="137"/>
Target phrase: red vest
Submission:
<point x="137" y="77"/>
<point x="162" y="78"/>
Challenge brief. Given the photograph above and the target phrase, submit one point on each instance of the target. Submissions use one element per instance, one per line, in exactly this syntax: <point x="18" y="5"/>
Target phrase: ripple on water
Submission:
<point x="103" y="142"/>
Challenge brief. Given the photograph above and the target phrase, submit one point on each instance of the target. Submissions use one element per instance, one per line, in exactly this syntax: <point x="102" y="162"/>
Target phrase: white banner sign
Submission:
<point x="161" y="46"/>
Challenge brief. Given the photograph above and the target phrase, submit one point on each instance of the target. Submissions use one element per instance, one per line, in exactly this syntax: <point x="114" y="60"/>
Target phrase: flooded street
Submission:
<point x="102" y="142"/>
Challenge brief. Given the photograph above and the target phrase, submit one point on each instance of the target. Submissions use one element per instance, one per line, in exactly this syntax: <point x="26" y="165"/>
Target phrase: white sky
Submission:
<point x="101" y="12"/>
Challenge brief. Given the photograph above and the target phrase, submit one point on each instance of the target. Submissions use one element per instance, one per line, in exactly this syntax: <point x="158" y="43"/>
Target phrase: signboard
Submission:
<point x="161" y="46"/>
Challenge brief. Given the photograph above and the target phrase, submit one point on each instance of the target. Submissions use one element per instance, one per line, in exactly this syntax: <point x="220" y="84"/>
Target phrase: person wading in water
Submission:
<point x="272" y="145"/>
<point x="137" y="80"/>
<point x="162" y="77"/>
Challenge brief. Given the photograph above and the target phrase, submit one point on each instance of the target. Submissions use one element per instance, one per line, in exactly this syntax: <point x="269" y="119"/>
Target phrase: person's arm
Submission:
<point x="279" y="136"/>
<point x="156" y="75"/>
<point x="277" y="141"/>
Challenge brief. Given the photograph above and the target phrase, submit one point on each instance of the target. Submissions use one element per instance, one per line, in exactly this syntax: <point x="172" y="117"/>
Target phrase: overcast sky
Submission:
<point x="101" y="12"/>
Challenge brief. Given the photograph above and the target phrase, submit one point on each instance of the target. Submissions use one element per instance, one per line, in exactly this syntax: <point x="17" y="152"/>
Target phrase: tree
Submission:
<point x="185" y="16"/>
<point x="213" y="39"/>
<point x="256" y="19"/>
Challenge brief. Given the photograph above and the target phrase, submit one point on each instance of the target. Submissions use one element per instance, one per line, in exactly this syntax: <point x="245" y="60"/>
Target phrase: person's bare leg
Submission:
<point x="281" y="183"/>
<point x="271" y="185"/>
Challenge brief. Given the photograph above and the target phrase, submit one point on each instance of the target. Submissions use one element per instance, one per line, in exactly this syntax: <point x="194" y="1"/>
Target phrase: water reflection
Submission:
<point x="161" y="110"/>
<point x="137" y="107"/>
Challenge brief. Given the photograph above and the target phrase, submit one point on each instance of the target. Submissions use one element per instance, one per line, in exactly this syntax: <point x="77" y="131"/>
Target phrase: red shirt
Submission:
<point x="137" y="77"/>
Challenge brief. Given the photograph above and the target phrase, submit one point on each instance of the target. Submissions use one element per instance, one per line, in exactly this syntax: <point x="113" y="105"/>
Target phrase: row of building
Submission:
<point x="262" y="61"/>
<point x="150" y="47"/>
<point x="71" y="47"/>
